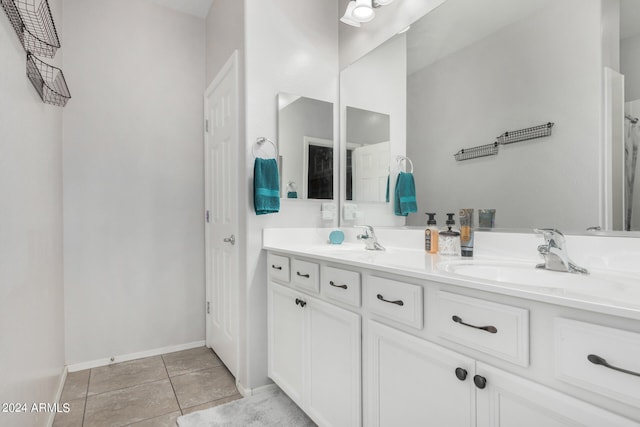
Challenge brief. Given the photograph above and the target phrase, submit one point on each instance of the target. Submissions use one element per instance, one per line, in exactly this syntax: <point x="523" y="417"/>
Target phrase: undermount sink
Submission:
<point x="526" y="273"/>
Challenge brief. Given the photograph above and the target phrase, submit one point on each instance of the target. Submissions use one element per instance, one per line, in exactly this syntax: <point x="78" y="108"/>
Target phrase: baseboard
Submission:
<point x="246" y="392"/>
<point x="132" y="356"/>
<point x="61" y="381"/>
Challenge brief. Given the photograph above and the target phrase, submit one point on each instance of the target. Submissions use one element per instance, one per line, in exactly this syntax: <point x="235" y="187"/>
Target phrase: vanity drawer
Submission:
<point x="395" y="300"/>
<point x="496" y="329"/>
<point x="305" y="275"/>
<point x="278" y="267"/>
<point x="576" y="341"/>
<point x="341" y="285"/>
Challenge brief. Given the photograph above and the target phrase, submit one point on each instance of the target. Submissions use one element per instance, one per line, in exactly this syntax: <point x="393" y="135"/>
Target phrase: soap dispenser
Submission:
<point x="431" y="235"/>
<point x="292" y="190"/>
<point x="449" y="240"/>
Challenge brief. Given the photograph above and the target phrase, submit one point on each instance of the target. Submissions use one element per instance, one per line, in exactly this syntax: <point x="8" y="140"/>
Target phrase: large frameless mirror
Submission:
<point x="468" y="71"/>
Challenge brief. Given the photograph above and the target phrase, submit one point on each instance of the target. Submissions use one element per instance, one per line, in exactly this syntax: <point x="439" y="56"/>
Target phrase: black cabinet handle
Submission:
<point x="461" y="374"/>
<point x="300" y="302"/>
<point x="276" y="267"/>
<point x="342" y="285"/>
<point x="480" y="382"/>
<point x="302" y="275"/>
<point x="490" y="329"/>
<point x="398" y="302"/>
<point x="597" y="360"/>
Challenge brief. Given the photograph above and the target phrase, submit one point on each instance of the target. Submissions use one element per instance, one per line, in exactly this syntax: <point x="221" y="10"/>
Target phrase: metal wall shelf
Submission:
<point x="48" y="81"/>
<point x="508" y="137"/>
<point x="34" y="26"/>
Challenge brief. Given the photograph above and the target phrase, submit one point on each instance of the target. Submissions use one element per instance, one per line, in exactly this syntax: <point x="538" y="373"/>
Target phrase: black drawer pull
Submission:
<point x="300" y="302"/>
<point x="343" y="286"/>
<point x="398" y="302"/>
<point x="276" y="267"/>
<point x="461" y="374"/>
<point x="597" y="360"/>
<point x="490" y="329"/>
<point x="302" y="275"/>
<point x="480" y="382"/>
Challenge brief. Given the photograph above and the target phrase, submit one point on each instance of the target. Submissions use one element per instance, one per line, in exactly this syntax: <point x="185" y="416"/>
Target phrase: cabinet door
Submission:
<point x="334" y="374"/>
<point x="511" y="401"/>
<point x="286" y="341"/>
<point x="414" y="383"/>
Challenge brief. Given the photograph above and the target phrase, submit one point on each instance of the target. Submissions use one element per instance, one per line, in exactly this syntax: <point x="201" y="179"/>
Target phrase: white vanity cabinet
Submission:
<point x="438" y="354"/>
<point x="314" y="355"/>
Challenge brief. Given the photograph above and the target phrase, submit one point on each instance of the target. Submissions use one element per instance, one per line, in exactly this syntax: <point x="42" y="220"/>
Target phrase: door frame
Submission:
<point x="230" y="66"/>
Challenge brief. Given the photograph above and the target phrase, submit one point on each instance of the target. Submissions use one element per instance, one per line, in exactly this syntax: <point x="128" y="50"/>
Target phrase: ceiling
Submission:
<point x="197" y="8"/>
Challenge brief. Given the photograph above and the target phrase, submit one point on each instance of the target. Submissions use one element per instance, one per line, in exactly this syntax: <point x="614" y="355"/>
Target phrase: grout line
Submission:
<point x="86" y="397"/>
<point x="191" y="371"/>
<point x="171" y="382"/>
<point x="215" y="400"/>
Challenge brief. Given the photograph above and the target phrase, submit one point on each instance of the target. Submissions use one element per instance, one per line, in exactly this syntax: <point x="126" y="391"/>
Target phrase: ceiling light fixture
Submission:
<point x="359" y="11"/>
<point x="363" y="11"/>
<point x="348" y="17"/>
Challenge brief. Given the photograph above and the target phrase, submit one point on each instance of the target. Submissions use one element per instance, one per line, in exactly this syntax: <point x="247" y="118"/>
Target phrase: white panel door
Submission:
<point x="221" y="189"/>
<point x="370" y="172"/>
<point x="412" y="382"/>
<point x="286" y="330"/>
<point x="333" y="386"/>
<point x="511" y="401"/>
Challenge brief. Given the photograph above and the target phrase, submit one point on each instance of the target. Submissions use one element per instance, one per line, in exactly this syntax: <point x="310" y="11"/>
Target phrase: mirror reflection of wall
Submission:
<point x="305" y="137"/>
<point x="630" y="68"/>
<point x="374" y="84"/>
<point x="368" y="135"/>
<point x="522" y="72"/>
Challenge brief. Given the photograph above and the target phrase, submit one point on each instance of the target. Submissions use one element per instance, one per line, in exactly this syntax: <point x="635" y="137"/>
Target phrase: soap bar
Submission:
<point x="336" y="237"/>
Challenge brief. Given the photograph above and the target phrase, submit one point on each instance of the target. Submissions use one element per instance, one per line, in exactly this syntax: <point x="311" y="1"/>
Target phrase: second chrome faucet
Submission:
<point x="555" y="254"/>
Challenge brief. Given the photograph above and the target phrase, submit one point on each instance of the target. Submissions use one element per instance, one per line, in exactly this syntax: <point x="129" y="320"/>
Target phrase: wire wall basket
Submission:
<point x="475" y="152"/>
<point x="48" y="81"/>
<point x="525" y="134"/>
<point x="508" y="137"/>
<point x="33" y="23"/>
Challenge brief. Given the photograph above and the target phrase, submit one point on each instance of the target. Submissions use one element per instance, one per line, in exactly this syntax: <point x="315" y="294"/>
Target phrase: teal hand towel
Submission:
<point x="405" y="197"/>
<point x="266" y="186"/>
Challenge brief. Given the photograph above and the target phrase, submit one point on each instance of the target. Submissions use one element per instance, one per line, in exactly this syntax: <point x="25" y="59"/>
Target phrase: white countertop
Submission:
<point x="618" y="293"/>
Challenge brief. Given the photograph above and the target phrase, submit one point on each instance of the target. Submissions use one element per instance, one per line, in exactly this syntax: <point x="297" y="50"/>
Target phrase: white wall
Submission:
<point x="378" y="82"/>
<point x="528" y="73"/>
<point x="133" y="178"/>
<point x="291" y="46"/>
<point x="224" y="34"/>
<point x="31" y="286"/>
<point x="630" y="67"/>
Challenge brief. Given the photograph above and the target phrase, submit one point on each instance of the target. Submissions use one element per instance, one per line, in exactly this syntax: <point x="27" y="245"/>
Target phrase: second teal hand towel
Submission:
<point x="405" y="197"/>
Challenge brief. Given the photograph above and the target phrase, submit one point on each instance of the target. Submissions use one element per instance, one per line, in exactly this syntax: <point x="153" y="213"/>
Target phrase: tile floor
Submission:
<point x="153" y="391"/>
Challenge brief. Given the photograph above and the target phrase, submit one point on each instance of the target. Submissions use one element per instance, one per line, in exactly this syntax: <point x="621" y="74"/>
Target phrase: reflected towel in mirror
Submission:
<point x="405" y="197"/>
<point x="266" y="186"/>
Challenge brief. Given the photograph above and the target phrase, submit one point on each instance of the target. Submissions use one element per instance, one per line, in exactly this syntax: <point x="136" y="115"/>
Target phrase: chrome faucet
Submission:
<point x="555" y="255"/>
<point x="369" y="237"/>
